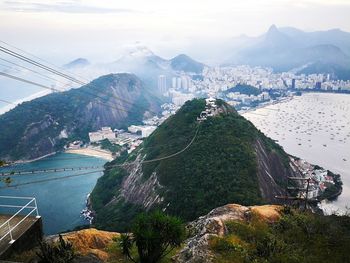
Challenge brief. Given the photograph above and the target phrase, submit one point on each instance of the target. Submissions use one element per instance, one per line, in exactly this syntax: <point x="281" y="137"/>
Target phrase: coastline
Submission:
<point x="82" y="151"/>
<point x="92" y="152"/>
<point x="36" y="95"/>
<point x="332" y="201"/>
<point x="273" y="102"/>
<point x="35" y="159"/>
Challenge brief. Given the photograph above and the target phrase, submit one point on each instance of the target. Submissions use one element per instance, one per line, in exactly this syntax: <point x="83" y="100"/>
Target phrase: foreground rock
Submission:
<point x="91" y="244"/>
<point x="197" y="249"/>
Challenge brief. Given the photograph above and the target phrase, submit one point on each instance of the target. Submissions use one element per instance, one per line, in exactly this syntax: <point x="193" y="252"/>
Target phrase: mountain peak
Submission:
<point x="184" y="56"/>
<point x="276" y="38"/>
<point x="185" y="63"/>
<point x="140" y="51"/>
<point x="273" y="28"/>
<point x="79" y="62"/>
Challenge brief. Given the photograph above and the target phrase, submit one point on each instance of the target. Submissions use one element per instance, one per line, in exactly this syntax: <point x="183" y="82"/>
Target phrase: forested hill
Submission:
<point x="244" y="89"/>
<point x="46" y="124"/>
<point x="228" y="161"/>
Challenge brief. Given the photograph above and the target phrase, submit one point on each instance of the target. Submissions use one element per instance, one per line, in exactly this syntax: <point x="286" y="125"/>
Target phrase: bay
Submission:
<point x="59" y="201"/>
<point x="314" y="127"/>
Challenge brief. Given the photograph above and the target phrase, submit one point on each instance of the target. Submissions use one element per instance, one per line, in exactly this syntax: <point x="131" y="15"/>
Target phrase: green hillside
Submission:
<point x="33" y="129"/>
<point x="244" y="89"/>
<point x="296" y="237"/>
<point x="220" y="167"/>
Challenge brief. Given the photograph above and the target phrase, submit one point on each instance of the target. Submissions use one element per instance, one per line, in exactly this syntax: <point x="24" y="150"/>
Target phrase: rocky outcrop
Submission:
<point x="272" y="173"/>
<point x="90" y="244"/>
<point x="136" y="189"/>
<point x="197" y="250"/>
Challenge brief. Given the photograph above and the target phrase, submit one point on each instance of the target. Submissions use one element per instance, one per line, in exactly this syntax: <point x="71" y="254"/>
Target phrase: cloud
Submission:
<point x="73" y="7"/>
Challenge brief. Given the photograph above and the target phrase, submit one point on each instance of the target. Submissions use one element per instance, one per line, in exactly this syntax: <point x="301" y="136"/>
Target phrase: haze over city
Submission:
<point x="189" y="131"/>
<point x="100" y="30"/>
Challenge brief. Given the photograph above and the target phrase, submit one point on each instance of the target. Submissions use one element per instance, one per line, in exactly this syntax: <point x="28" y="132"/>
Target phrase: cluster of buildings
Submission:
<point x="236" y="98"/>
<point x="183" y="82"/>
<point x="129" y="139"/>
<point x="216" y="80"/>
<point x="319" y="178"/>
<point x="221" y="78"/>
<point x="144" y="131"/>
<point x="134" y="135"/>
<point x="104" y="133"/>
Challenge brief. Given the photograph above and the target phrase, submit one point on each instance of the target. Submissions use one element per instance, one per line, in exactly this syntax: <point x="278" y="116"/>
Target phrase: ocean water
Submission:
<point x="59" y="201"/>
<point x="314" y="127"/>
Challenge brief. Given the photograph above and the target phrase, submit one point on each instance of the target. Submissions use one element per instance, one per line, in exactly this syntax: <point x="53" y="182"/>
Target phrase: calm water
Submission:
<point x="315" y="127"/>
<point x="61" y="201"/>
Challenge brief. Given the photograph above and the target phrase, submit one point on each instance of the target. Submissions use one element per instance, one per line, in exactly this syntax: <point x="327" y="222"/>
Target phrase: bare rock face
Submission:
<point x="271" y="172"/>
<point x="138" y="190"/>
<point x="197" y="249"/>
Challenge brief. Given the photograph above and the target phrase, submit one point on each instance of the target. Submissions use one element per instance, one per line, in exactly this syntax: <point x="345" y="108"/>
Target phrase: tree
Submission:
<point x="6" y="180"/>
<point x="60" y="252"/>
<point x="155" y="235"/>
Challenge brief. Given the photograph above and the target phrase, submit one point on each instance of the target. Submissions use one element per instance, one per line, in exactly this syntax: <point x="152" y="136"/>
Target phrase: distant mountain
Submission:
<point x="185" y="63"/>
<point x="148" y="66"/>
<point x="229" y="161"/>
<point x="79" y="62"/>
<point x="289" y="48"/>
<point x="45" y="125"/>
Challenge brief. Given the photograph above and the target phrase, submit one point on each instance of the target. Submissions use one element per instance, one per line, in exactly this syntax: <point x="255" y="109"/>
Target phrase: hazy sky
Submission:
<point x="99" y="29"/>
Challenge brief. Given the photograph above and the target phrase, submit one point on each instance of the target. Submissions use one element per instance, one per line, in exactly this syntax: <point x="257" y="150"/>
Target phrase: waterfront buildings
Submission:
<point x="104" y="133"/>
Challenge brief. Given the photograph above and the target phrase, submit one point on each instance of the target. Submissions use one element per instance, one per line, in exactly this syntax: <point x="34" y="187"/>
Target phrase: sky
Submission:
<point x="100" y="29"/>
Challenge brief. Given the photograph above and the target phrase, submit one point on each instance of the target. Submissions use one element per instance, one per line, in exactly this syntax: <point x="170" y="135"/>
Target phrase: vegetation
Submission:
<point x="7" y="180"/>
<point x="296" y="237"/>
<point x="112" y="147"/>
<point x="155" y="235"/>
<point x="333" y="190"/>
<point x="60" y="252"/>
<point x="45" y="117"/>
<point x="220" y="167"/>
<point x="244" y="89"/>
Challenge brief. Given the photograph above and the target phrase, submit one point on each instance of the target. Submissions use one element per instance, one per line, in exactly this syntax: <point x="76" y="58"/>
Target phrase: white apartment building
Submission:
<point x="162" y="87"/>
<point x="104" y="133"/>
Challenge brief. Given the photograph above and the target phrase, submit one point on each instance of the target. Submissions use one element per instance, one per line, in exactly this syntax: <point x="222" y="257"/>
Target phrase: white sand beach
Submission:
<point x="89" y="151"/>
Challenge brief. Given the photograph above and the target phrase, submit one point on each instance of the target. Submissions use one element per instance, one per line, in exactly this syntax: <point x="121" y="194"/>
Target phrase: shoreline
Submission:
<point x="262" y="106"/>
<point x="35" y="159"/>
<point x="92" y="152"/>
<point x="98" y="153"/>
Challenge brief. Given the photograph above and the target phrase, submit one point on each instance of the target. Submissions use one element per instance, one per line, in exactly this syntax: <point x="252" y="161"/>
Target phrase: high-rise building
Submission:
<point x="178" y="83"/>
<point x="173" y="83"/>
<point x="318" y="85"/>
<point x="162" y="84"/>
<point x="293" y="83"/>
<point x="184" y="82"/>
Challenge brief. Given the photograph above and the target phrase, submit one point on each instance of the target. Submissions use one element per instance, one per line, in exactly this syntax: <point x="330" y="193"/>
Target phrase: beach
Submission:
<point x="91" y="151"/>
